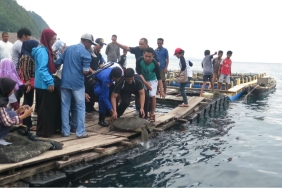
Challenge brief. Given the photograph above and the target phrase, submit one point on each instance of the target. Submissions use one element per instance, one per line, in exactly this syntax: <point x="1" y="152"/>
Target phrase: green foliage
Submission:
<point x="14" y="16"/>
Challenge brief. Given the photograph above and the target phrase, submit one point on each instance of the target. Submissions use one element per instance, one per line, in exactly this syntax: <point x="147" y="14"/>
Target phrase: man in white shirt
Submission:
<point x="5" y="47"/>
<point x="23" y="34"/>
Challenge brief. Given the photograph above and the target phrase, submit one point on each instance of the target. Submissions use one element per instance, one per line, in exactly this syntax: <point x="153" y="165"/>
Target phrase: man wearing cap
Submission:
<point x="104" y="80"/>
<point x="113" y="51"/>
<point x="76" y="60"/>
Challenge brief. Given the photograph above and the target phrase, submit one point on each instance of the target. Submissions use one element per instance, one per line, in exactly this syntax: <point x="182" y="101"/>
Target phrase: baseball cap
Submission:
<point x="177" y="50"/>
<point x="100" y="41"/>
<point x="90" y="37"/>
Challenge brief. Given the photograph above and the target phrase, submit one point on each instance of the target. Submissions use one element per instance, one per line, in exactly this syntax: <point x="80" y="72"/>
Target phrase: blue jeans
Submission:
<point x="3" y="129"/>
<point x="183" y="93"/>
<point x="77" y="110"/>
<point x="73" y="115"/>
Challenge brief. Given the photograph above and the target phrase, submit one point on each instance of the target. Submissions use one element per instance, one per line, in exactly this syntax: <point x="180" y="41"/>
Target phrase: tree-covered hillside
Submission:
<point x="14" y="16"/>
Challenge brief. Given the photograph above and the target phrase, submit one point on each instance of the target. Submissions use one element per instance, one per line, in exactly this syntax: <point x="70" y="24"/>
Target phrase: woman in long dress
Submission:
<point x="48" y="99"/>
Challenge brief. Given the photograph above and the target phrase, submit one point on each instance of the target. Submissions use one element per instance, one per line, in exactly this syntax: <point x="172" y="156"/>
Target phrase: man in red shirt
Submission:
<point x="225" y="71"/>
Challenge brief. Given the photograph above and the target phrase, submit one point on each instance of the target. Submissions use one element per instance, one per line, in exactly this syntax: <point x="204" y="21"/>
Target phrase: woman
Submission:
<point x="26" y="73"/>
<point x="7" y="69"/>
<point x="48" y="100"/>
<point x="9" y="118"/>
<point x="184" y="68"/>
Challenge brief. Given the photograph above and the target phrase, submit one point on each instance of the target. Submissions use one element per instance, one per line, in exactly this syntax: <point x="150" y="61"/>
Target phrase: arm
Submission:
<point x="142" y="98"/>
<point x="86" y="60"/>
<point x="118" y="54"/>
<point x="105" y="95"/>
<point x="6" y="120"/>
<point x="107" y="50"/>
<point x="26" y="65"/>
<point x="122" y="46"/>
<point x="190" y="64"/>
<point x="42" y="69"/>
<point x="183" y="63"/>
<point x="114" y="101"/>
<point x="167" y="60"/>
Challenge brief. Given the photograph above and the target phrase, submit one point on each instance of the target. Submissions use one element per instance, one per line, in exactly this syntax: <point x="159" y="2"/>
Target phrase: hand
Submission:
<point x="87" y="97"/>
<point x="142" y="112"/>
<point x="114" y="116"/>
<point x="28" y="112"/>
<point x="28" y="89"/>
<point x="159" y="63"/>
<point x="165" y="70"/>
<point x="91" y="71"/>
<point x="177" y="75"/>
<point x="21" y="110"/>
<point x="162" y="95"/>
<point x="148" y="85"/>
<point x="215" y="53"/>
<point x="51" y="88"/>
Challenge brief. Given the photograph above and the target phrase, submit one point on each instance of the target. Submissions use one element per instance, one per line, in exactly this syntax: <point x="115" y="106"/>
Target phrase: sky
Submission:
<point x="250" y="28"/>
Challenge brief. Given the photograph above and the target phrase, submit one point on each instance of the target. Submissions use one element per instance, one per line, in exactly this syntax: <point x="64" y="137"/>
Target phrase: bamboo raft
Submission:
<point x="103" y="142"/>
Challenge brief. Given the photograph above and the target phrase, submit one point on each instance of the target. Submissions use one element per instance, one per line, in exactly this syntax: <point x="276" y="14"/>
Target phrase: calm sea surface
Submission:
<point x="241" y="146"/>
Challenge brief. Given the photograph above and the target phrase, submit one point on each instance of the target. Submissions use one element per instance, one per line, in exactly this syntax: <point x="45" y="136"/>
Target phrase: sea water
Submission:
<point x="241" y="146"/>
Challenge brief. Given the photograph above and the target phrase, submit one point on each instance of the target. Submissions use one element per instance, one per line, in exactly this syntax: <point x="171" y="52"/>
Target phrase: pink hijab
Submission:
<point x="7" y="69"/>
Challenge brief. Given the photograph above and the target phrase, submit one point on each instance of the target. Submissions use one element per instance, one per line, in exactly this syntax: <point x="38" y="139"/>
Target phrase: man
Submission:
<point x="76" y="60"/>
<point x="130" y="84"/>
<point x="225" y="71"/>
<point x="23" y="34"/>
<point x="5" y="47"/>
<point x="207" y="70"/>
<point x="216" y="63"/>
<point x="99" y="61"/>
<point x="149" y="72"/>
<point x="162" y="54"/>
<point x="104" y="80"/>
<point x="113" y="51"/>
<point x="122" y="61"/>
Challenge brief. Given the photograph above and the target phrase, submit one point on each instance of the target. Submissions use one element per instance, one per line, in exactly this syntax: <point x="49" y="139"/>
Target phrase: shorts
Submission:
<point x="162" y="73"/>
<point x="154" y="86"/>
<point x="224" y="78"/>
<point x="207" y="78"/>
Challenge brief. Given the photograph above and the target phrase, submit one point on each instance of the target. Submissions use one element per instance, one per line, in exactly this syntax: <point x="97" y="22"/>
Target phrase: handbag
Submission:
<point x="182" y="78"/>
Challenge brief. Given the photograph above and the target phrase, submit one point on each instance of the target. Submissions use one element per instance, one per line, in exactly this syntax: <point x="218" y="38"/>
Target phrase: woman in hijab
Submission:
<point x="26" y="73"/>
<point x="7" y="69"/>
<point x="48" y="100"/>
<point x="9" y="118"/>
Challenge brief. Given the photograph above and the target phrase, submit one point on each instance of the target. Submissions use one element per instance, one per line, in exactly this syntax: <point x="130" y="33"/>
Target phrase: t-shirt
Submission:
<point x="123" y="86"/>
<point x="113" y="52"/>
<point x="162" y="56"/>
<point x="226" y="66"/>
<point x="207" y="65"/>
<point x="16" y="51"/>
<point x="216" y="62"/>
<point x="139" y="53"/>
<point x="6" y="50"/>
<point x="149" y="71"/>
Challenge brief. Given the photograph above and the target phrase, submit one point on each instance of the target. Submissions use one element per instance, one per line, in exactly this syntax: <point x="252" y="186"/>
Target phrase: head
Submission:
<point x="160" y="42"/>
<point x="6" y="67"/>
<point x="229" y="54"/>
<point x="24" y="34"/>
<point x="207" y="52"/>
<point x="27" y="47"/>
<point x="48" y="38"/>
<point x="6" y="87"/>
<point x="5" y="36"/>
<point x="178" y="52"/>
<point x="220" y="53"/>
<point x="124" y="52"/>
<point x="143" y="43"/>
<point x="87" y="40"/>
<point x="100" y="44"/>
<point x="114" y="37"/>
<point x="148" y="55"/>
<point x="116" y="74"/>
<point x="129" y="75"/>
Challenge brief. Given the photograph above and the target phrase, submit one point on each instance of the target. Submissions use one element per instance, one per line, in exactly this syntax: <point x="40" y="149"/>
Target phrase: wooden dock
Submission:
<point x="103" y="142"/>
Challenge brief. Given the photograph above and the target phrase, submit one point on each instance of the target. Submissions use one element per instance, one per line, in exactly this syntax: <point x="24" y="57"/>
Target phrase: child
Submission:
<point x="207" y="70"/>
<point x="225" y="71"/>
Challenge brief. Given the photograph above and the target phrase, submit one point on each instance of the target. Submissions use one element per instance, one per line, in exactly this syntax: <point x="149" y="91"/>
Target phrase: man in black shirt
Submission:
<point x="130" y="84"/>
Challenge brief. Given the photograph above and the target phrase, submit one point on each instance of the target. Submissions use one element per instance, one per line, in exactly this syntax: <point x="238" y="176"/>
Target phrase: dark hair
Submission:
<point x="220" y="52"/>
<point x="116" y="72"/>
<point x="229" y="52"/>
<point x="181" y="52"/>
<point x="149" y="50"/>
<point x="4" y="33"/>
<point x="161" y="39"/>
<point x="145" y="40"/>
<point x="207" y="52"/>
<point x="23" y="31"/>
<point x="114" y="36"/>
<point x="129" y="72"/>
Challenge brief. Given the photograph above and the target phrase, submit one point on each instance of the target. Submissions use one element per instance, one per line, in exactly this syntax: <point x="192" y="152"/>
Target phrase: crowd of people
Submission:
<point x="68" y="80"/>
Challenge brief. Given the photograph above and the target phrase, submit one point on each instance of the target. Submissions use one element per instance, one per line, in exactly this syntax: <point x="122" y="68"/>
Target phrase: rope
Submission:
<point x="251" y="91"/>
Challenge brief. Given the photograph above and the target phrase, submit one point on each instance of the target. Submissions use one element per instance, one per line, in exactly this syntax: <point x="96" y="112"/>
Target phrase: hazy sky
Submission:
<point x="250" y="28"/>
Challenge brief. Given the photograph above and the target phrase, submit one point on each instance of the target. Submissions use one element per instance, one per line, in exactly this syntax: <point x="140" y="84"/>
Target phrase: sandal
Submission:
<point x="152" y="118"/>
<point x="183" y="105"/>
<point x="32" y="128"/>
<point x="178" y="95"/>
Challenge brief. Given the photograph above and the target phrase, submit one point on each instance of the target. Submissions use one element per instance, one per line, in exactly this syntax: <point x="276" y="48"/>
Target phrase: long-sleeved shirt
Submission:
<point x="76" y="59"/>
<point x="26" y="68"/>
<point x="113" y="52"/>
<point x="6" y="120"/>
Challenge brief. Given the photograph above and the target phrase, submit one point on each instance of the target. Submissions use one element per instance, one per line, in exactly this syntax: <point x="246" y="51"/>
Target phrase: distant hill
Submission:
<point x="13" y="17"/>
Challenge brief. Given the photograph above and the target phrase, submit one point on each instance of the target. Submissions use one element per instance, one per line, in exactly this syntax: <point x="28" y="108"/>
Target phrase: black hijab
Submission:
<point x="6" y="87"/>
<point x="27" y="47"/>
